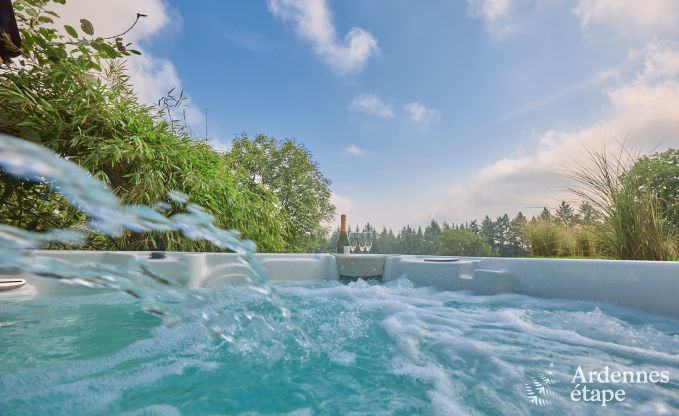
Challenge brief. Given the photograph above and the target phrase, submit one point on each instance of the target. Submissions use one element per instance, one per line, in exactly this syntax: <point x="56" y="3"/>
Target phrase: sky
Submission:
<point x="444" y="109"/>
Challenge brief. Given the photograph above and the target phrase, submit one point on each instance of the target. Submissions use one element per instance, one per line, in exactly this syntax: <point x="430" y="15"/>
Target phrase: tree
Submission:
<point x="502" y="236"/>
<point x="388" y="242"/>
<point x="587" y="214"/>
<point x="408" y="241"/>
<point x="517" y="243"/>
<point x="376" y="244"/>
<point x="288" y="169"/>
<point x="565" y="214"/>
<point x="73" y="97"/>
<point x="545" y="215"/>
<point x="329" y="245"/>
<point x="661" y="172"/>
<point x="474" y="227"/>
<point x="488" y="232"/>
<point x="462" y="243"/>
<point x="384" y="245"/>
<point x="431" y="235"/>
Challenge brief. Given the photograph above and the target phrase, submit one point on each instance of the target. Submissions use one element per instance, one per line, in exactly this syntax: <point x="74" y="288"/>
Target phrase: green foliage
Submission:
<point x="545" y="238"/>
<point x="633" y="224"/>
<point x="516" y="244"/>
<point x="565" y="214"/>
<point x="501" y="227"/>
<point x="545" y="215"/>
<point x="409" y="241"/>
<point x="431" y="237"/>
<point x="585" y="241"/>
<point x="388" y="242"/>
<point x="457" y="242"/>
<point x="661" y="172"/>
<point x="587" y="214"/>
<point x="287" y="169"/>
<point x="624" y="214"/>
<point x="73" y="97"/>
<point x="487" y="231"/>
<point x="86" y="26"/>
<point x="474" y="226"/>
<point x="71" y="31"/>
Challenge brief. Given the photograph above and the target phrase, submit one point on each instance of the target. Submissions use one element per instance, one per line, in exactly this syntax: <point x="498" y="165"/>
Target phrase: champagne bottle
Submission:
<point x="343" y="239"/>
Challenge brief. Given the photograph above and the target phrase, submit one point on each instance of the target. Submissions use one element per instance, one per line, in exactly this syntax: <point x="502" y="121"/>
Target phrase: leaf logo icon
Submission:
<point x="539" y="388"/>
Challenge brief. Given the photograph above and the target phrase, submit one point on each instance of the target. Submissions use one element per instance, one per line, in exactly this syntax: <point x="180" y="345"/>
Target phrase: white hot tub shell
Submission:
<point x="645" y="285"/>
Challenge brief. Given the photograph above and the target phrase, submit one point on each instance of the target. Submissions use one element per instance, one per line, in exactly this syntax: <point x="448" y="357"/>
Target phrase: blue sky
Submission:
<point x="447" y="108"/>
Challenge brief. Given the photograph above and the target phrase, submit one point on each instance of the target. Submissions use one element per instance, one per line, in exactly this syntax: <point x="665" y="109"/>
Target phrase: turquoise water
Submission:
<point x="369" y="349"/>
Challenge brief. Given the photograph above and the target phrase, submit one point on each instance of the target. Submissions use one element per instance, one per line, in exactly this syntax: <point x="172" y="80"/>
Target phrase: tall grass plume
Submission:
<point x="632" y="225"/>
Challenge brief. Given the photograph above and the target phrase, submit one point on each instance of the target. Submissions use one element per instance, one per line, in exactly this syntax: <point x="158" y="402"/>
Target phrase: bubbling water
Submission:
<point x="106" y="214"/>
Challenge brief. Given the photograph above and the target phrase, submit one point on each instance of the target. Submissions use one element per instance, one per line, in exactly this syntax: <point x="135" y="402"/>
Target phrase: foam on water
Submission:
<point x="377" y="349"/>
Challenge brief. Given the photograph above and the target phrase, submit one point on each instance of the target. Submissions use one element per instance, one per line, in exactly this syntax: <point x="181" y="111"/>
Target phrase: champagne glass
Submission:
<point x="368" y="241"/>
<point x="361" y="241"/>
<point x="353" y="241"/>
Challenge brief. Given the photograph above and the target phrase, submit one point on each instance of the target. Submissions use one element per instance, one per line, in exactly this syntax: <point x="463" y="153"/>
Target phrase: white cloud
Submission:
<point x="354" y="150"/>
<point x="643" y="110"/>
<point x="660" y="59"/>
<point x="630" y="16"/>
<point x="371" y="104"/>
<point x="374" y="105"/>
<point x="312" y="20"/>
<point x="644" y="115"/>
<point x="490" y="10"/>
<point x="420" y="114"/>
<point x="151" y="76"/>
<point x="111" y="18"/>
<point x="495" y="14"/>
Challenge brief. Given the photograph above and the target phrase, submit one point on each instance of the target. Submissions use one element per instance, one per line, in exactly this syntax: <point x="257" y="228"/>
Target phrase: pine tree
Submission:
<point x="392" y="247"/>
<point x="419" y="241"/>
<point x="565" y="214"/>
<point x="502" y="235"/>
<point x="431" y="235"/>
<point x="587" y="213"/>
<point x="474" y="227"/>
<point x="488" y="232"/>
<point x="545" y="215"/>
<point x="516" y="240"/>
<point x="375" y="242"/>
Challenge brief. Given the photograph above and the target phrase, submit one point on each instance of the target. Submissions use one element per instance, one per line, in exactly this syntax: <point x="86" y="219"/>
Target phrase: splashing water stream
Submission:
<point x="106" y="214"/>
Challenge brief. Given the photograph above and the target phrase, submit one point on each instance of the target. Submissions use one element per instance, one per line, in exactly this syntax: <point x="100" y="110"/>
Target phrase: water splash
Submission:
<point x="159" y="294"/>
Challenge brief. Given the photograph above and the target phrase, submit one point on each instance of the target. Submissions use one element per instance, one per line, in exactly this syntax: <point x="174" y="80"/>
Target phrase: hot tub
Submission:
<point x="426" y="336"/>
